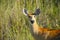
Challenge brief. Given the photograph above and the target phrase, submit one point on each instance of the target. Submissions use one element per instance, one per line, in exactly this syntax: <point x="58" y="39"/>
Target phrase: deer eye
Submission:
<point x="29" y="16"/>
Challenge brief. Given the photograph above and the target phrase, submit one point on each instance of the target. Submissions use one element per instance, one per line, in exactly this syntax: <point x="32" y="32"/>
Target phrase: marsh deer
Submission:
<point x="38" y="32"/>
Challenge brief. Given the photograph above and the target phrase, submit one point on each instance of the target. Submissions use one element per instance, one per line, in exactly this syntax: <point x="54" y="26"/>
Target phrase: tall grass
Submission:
<point x="15" y="26"/>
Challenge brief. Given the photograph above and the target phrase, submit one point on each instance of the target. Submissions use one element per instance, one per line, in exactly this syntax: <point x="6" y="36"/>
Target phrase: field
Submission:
<point x="15" y="26"/>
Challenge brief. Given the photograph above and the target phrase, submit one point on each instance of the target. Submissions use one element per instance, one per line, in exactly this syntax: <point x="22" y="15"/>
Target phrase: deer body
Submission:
<point x="41" y="33"/>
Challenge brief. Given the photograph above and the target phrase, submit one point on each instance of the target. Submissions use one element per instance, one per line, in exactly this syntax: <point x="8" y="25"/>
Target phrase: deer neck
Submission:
<point x="35" y="27"/>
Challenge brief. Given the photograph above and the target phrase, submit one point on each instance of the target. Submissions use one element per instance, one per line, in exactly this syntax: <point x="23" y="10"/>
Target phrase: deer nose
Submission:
<point x="32" y="21"/>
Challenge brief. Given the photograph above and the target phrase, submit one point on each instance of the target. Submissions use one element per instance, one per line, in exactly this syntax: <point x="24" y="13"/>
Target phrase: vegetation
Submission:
<point x="15" y="26"/>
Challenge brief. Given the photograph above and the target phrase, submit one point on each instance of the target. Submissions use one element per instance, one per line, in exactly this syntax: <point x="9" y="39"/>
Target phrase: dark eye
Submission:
<point x="29" y="16"/>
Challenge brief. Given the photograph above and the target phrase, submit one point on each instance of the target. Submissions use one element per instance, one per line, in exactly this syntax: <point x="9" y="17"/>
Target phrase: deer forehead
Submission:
<point x="31" y="15"/>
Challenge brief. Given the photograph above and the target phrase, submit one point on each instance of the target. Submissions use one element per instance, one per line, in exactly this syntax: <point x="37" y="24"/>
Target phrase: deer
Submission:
<point x="40" y="33"/>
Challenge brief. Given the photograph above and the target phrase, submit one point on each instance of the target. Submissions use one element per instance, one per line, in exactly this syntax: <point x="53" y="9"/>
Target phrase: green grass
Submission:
<point x="15" y="26"/>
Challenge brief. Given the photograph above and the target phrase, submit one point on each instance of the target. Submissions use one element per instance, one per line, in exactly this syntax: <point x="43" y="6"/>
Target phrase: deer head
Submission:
<point x="31" y="16"/>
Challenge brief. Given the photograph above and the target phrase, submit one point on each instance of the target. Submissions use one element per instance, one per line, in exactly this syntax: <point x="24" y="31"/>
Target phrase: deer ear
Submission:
<point x="37" y="11"/>
<point x="25" y="12"/>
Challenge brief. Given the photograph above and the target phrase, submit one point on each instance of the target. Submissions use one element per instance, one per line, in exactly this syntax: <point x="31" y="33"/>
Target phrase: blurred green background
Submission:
<point x="15" y="26"/>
